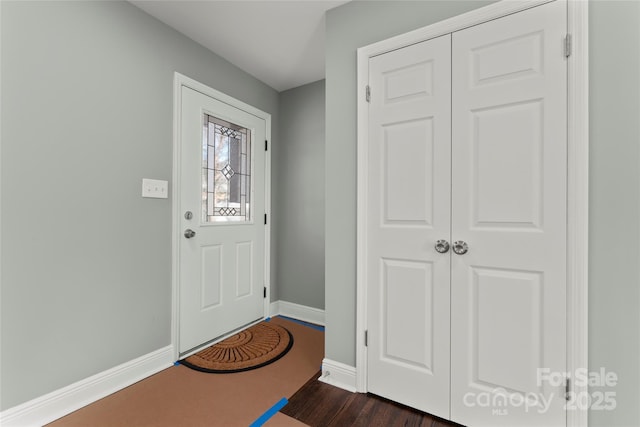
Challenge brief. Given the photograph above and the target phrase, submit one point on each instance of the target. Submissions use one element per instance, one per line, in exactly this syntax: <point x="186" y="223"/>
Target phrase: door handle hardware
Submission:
<point x="188" y="215"/>
<point x="189" y="233"/>
<point x="442" y="246"/>
<point x="460" y="247"/>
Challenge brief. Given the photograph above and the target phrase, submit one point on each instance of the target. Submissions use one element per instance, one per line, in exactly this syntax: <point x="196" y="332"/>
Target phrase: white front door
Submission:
<point x="222" y="206"/>
<point x="407" y="213"/>
<point x="509" y="176"/>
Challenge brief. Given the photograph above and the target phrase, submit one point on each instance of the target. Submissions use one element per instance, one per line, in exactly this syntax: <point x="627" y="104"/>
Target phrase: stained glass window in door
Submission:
<point x="226" y="171"/>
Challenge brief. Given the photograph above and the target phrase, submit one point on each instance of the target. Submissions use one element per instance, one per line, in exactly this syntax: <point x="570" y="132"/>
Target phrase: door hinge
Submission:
<point x="265" y="219"/>
<point x="366" y="338"/>
<point x="265" y="292"/>
<point x="368" y="93"/>
<point x="266" y="145"/>
<point x="567" y="389"/>
<point x="568" y="45"/>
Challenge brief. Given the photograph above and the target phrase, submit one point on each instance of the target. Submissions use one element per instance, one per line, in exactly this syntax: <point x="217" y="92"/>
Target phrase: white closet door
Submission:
<point x="509" y="148"/>
<point x="408" y="211"/>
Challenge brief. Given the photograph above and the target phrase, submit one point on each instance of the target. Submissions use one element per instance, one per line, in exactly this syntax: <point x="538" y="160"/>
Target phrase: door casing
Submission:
<point x="577" y="185"/>
<point x="179" y="81"/>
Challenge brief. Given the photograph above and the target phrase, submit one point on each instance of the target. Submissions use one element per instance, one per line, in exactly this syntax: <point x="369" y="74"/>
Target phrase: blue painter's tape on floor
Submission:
<point x="311" y="325"/>
<point x="176" y="363"/>
<point x="270" y="413"/>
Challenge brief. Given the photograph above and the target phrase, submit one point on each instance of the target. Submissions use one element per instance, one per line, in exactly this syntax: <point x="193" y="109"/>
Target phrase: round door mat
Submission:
<point x="252" y="348"/>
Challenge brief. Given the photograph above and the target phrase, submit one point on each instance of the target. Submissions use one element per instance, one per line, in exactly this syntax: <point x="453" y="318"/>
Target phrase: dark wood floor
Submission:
<point x="321" y="405"/>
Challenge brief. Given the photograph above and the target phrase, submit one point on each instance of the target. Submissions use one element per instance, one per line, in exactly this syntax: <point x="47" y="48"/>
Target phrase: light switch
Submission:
<point x="155" y="188"/>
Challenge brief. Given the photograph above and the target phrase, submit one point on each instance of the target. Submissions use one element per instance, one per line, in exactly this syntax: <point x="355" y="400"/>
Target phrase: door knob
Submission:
<point x="442" y="246"/>
<point x="189" y="233"/>
<point x="460" y="247"/>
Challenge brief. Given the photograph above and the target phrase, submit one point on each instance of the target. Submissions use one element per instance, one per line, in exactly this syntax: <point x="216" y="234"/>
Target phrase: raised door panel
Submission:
<point x="407" y="168"/>
<point x="211" y="276"/>
<point x="511" y="59"/>
<point x="407" y="305"/>
<point x="507" y="193"/>
<point x="506" y="310"/>
<point x="244" y="275"/>
<point x="408" y="82"/>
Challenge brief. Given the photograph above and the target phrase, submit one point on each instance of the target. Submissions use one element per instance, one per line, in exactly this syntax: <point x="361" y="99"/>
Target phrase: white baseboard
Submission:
<point x="274" y="308"/>
<point x="339" y="375"/>
<point x="297" y="311"/>
<point x="59" y="403"/>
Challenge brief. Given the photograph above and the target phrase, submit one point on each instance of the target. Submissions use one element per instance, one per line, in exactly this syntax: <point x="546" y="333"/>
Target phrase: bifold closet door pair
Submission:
<point x="466" y="222"/>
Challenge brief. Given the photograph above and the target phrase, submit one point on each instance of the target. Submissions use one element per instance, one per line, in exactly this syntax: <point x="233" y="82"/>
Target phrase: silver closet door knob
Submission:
<point x="460" y="247"/>
<point x="189" y="233"/>
<point x="442" y="246"/>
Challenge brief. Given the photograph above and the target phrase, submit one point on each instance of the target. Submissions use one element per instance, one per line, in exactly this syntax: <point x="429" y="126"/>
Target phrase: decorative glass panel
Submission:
<point x="226" y="171"/>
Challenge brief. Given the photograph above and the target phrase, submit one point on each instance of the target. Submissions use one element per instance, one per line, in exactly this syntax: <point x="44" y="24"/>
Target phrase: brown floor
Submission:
<point x="179" y="396"/>
<point x="321" y="405"/>
<point x="282" y="420"/>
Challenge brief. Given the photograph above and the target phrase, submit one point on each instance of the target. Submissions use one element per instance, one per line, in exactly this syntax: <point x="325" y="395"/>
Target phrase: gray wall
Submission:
<point x="614" y="212"/>
<point x="300" y="184"/>
<point x="614" y="325"/>
<point x="87" y="113"/>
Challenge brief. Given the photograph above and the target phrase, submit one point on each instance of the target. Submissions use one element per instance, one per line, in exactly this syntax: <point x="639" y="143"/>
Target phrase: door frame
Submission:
<point x="180" y="81"/>
<point x="577" y="174"/>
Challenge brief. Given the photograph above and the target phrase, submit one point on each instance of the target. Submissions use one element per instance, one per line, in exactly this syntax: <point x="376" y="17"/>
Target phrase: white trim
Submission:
<point x="339" y="375"/>
<point x="179" y="81"/>
<point x="297" y="311"/>
<point x="175" y="214"/>
<point x="301" y="312"/>
<point x="578" y="201"/>
<point x="274" y="308"/>
<point x="267" y="210"/>
<point x="59" y="403"/>
<point x="1" y="117"/>
<point x="578" y="174"/>
<point x="362" y="166"/>
<point x="450" y="25"/>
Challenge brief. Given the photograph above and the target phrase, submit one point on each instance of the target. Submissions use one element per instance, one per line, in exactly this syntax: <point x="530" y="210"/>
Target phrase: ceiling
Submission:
<point x="278" y="42"/>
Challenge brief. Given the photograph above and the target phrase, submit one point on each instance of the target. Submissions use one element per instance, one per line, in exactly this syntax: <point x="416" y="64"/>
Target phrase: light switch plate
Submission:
<point x="155" y="188"/>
